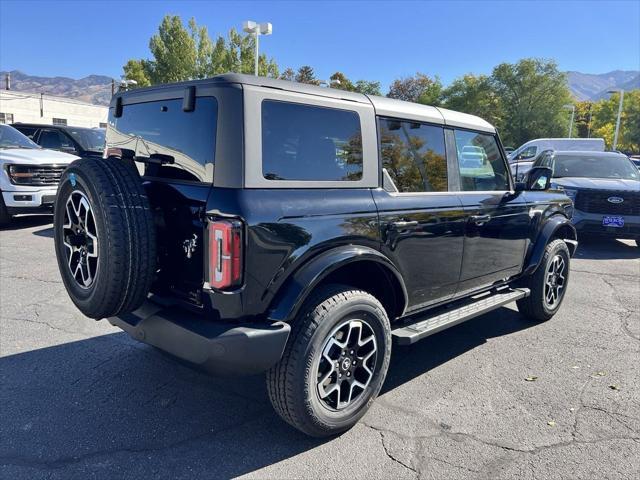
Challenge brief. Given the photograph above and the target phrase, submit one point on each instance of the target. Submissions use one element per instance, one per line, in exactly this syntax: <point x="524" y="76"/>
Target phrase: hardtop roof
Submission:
<point x="382" y="105"/>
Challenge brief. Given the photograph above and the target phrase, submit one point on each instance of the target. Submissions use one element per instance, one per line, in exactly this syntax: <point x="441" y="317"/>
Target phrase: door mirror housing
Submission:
<point x="538" y="178"/>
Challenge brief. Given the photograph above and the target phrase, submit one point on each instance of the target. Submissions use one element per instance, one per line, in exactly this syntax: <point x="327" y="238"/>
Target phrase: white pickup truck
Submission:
<point x="29" y="175"/>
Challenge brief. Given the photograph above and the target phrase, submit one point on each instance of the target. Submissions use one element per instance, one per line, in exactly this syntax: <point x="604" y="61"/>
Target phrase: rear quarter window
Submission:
<point x="163" y="127"/>
<point x="312" y="143"/>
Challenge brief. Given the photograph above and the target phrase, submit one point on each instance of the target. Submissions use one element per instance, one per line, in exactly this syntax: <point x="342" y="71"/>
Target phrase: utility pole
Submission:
<point x="257" y="29"/>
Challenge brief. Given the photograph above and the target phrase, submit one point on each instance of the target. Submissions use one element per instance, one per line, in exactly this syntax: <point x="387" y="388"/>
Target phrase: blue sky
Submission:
<point x="379" y="40"/>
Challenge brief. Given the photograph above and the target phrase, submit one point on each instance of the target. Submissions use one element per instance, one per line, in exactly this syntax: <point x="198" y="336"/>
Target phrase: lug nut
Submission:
<point x="339" y="375"/>
<point x="351" y="352"/>
<point x="348" y="374"/>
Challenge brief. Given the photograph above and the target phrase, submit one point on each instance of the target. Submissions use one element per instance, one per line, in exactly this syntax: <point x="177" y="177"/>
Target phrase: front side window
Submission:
<point x="413" y="155"/>
<point x="163" y="127"/>
<point x="481" y="164"/>
<point x="55" y="140"/>
<point x="527" y="153"/>
<point x="309" y="143"/>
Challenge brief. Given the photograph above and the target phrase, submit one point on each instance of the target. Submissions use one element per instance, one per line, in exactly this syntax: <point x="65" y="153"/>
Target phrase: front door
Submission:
<point x="422" y="224"/>
<point x="497" y="220"/>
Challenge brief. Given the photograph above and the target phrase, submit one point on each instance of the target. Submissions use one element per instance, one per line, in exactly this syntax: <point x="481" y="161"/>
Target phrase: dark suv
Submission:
<point x="247" y="224"/>
<point x="80" y="141"/>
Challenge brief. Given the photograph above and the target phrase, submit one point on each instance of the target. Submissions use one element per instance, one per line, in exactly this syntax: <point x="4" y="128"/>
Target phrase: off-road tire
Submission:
<point x="5" y="218"/>
<point x="125" y="231"/>
<point x="534" y="306"/>
<point x="291" y="384"/>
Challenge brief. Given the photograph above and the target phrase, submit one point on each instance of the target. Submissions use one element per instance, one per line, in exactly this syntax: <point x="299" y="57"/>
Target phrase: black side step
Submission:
<point x="416" y="329"/>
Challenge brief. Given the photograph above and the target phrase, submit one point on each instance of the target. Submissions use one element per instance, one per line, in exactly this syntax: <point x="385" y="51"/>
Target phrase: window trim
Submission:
<point x="253" y="98"/>
<point x="446" y="154"/>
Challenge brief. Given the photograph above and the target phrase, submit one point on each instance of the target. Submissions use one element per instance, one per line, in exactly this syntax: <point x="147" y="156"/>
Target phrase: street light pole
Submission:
<point x="257" y="29"/>
<point x="615" y="135"/>
<point x="573" y="111"/>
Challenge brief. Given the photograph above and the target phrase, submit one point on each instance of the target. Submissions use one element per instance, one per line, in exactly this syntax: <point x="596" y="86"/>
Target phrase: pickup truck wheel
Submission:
<point x="104" y="237"/>
<point x="548" y="283"/>
<point x="334" y="364"/>
<point x="5" y="218"/>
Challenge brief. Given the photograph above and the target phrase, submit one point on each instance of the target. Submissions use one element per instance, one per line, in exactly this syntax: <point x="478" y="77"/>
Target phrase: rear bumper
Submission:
<point x="220" y="348"/>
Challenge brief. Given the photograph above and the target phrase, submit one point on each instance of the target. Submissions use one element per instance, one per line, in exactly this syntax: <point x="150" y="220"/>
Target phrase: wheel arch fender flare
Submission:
<point x="557" y="226"/>
<point x="294" y="291"/>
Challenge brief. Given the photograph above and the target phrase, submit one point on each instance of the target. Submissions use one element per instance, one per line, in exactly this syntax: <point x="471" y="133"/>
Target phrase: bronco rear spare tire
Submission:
<point x="104" y="237"/>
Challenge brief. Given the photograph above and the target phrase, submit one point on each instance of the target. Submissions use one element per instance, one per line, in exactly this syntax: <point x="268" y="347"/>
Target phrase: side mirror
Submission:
<point x="538" y="178"/>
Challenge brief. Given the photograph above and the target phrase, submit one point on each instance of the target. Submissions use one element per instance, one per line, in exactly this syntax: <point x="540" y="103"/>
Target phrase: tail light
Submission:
<point x="225" y="254"/>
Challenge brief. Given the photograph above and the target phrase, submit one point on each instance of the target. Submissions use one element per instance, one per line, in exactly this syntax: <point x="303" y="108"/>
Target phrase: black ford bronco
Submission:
<point x="247" y="224"/>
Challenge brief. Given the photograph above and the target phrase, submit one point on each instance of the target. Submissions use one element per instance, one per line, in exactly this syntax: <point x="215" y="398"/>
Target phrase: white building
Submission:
<point x="51" y="110"/>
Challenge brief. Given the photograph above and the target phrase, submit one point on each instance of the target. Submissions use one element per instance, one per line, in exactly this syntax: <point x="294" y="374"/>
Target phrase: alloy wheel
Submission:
<point x="347" y="365"/>
<point x="555" y="281"/>
<point x="80" y="238"/>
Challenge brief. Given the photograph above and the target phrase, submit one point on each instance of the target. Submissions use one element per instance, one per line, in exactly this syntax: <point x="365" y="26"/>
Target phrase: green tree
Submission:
<point x="583" y="119"/>
<point x="605" y="113"/>
<point x="531" y="96"/>
<point x="138" y="70"/>
<point x="340" y="81"/>
<point x="368" y="87"/>
<point x="474" y="95"/>
<point x="288" y="74"/>
<point x="306" y="74"/>
<point x="183" y="53"/>
<point x="174" y="52"/>
<point x="418" y="89"/>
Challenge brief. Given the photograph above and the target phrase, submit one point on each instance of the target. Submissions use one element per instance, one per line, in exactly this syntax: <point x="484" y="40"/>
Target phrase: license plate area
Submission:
<point x="613" y="221"/>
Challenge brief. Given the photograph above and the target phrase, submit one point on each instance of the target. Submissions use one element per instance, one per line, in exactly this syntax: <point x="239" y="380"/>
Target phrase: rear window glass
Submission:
<point x="163" y="127"/>
<point x="304" y="142"/>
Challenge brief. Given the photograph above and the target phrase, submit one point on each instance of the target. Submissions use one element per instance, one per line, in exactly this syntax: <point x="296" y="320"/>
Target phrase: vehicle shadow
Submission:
<point x="27" y="221"/>
<point x="595" y="248"/>
<point x="111" y="407"/>
<point x="45" y="232"/>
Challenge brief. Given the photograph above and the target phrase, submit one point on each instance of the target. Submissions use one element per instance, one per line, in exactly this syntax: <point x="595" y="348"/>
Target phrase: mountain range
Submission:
<point x="588" y="86"/>
<point x="97" y="88"/>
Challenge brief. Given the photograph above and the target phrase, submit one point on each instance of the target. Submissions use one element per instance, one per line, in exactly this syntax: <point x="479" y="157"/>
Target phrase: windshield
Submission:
<point x="91" y="139"/>
<point x="12" y="138"/>
<point x="605" y="166"/>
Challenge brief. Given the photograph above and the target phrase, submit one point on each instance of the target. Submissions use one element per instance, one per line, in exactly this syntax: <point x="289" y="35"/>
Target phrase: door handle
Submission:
<point x="480" y="219"/>
<point x="403" y="224"/>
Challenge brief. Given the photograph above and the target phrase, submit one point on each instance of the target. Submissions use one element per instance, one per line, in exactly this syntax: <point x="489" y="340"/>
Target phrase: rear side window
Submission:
<point x="163" y="127"/>
<point x="413" y="155"/>
<point x="482" y="167"/>
<point x="304" y="142"/>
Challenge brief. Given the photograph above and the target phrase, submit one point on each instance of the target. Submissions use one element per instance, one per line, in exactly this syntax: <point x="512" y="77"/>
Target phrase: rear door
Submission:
<point x="422" y="223"/>
<point x="497" y="221"/>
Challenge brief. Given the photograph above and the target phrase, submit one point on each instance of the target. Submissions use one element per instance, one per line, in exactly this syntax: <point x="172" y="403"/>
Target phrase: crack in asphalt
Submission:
<point x="43" y="322"/>
<point x="629" y="312"/>
<point x="35" y="279"/>
<point x="630" y="275"/>
<point x="388" y="452"/>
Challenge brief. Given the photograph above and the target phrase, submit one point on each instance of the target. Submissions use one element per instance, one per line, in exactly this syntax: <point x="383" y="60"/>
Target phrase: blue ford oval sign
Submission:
<point x="615" y="199"/>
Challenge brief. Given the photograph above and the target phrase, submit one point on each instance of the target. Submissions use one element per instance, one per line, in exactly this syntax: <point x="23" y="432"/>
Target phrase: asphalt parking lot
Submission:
<point x="497" y="397"/>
